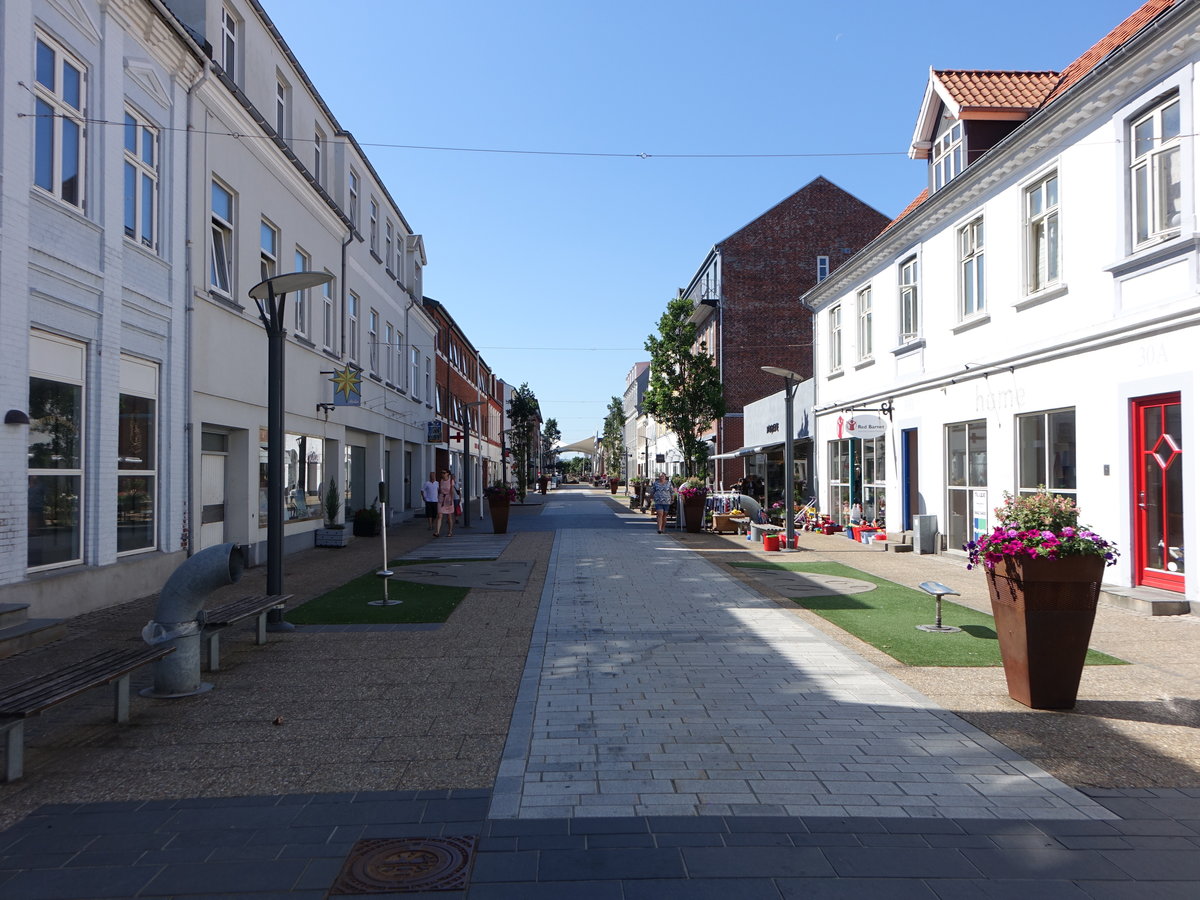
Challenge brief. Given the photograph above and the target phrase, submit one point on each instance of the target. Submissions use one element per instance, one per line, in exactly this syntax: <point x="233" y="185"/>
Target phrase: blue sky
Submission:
<point x="558" y="266"/>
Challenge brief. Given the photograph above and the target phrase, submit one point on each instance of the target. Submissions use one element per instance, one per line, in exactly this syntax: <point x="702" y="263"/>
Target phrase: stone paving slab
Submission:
<point x="493" y="575"/>
<point x="466" y="544"/>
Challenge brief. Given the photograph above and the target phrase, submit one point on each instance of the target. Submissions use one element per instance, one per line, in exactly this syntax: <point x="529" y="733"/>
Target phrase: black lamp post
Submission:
<point x="269" y="295"/>
<point x="789" y="468"/>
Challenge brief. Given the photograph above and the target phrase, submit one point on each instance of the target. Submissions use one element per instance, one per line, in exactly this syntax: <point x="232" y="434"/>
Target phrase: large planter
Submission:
<point x="693" y="514"/>
<point x="613" y="484"/>
<point x="1044" y="610"/>
<point x="332" y="537"/>
<point x="498" y="508"/>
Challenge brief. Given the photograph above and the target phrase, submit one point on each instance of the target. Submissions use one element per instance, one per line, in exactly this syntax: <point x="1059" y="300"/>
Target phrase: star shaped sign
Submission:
<point x="347" y="386"/>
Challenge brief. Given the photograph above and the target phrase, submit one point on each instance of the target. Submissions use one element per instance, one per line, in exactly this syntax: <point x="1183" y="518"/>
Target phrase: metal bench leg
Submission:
<point x="121" y="699"/>
<point x="260" y="629"/>
<point x="14" y="741"/>
<point x="212" y="650"/>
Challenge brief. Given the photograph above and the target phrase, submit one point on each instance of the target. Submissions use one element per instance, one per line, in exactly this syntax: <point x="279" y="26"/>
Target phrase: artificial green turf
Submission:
<point x="887" y="619"/>
<point x="349" y="604"/>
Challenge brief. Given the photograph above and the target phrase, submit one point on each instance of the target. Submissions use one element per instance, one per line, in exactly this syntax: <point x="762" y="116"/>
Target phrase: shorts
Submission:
<point x="431" y="509"/>
<point x="663" y="507"/>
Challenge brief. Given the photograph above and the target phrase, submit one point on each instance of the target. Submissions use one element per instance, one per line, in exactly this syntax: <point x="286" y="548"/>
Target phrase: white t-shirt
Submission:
<point x="429" y="491"/>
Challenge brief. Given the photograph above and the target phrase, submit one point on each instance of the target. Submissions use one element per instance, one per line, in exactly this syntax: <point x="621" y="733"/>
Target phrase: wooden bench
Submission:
<point x="218" y="619"/>
<point x="30" y="696"/>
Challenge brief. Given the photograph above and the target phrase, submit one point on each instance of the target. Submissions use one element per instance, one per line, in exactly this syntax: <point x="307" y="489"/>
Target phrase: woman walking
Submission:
<point x="661" y="492"/>
<point x="447" y="495"/>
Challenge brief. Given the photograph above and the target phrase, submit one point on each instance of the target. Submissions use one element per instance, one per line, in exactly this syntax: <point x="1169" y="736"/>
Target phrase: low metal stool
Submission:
<point x="939" y="591"/>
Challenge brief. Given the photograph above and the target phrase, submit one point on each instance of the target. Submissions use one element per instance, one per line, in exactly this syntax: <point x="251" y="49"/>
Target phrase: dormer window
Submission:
<point x="947" y="156"/>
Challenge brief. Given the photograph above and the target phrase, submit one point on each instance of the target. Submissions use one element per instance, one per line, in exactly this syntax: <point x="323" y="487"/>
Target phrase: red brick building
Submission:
<point x="747" y="297"/>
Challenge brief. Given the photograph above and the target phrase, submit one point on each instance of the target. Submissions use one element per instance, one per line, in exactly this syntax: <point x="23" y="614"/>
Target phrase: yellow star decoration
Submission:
<point x="346" y="382"/>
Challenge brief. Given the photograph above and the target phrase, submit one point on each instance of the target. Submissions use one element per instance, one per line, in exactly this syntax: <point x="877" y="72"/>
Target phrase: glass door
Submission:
<point x="1158" y="492"/>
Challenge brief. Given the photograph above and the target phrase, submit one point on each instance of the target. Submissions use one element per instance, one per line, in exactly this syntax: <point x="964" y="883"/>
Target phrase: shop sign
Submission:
<point x="433" y="434"/>
<point x="861" y="426"/>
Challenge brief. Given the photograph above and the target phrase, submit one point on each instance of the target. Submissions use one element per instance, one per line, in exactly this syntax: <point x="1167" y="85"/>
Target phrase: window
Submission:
<point x="966" y="481"/>
<point x="58" y="130"/>
<point x="865" y="343"/>
<point x="137" y="455"/>
<point x="141" y="179"/>
<point x="1041" y="230"/>
<point x="1156" y="178"/>
<point x="229" y="41"/>
<point x="388" y="235"/>
<point x="910" y="301"/>
<point x="328" y="331"/>
<point x="282" y="96"/>
<point x="387" y="352"/>
<point x="373" y="340"/>
<point x="1046" y="452"/>
<point x="858" y="478"/>
<point x="354" y="198"/>
<point x="972" y="299"/>
<point x="352" y="322"/>
<point x="269" y="254"/>
<point x="947" y="155"/>
<point x="822" y="268"/>
<point x="398" y="347"/>
<point x="304" y="470"/>
<point x="414" y="375"/>
<point x="55" y="450"/>
<point x="303" y="264"/>
<point x="374" y="233"/>
<point x="835" y="339"/>
<point x="428" y="379"/>
<point x="318" y="150"/>
<point x="220" y="277"/>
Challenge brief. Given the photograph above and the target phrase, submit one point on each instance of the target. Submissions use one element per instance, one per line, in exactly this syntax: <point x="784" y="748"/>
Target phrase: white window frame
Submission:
<point x="948" y="155"/>
<point x="352" y="307"/>
<point x="230" y="25"/>
<point x="398" y="347"/>
<point x="972" y="292"/>
<point x="389" y="234"/>
<point x="1043" y="237"/>
<point x="835" y="338"/>
<point x="318" y="156"/>
<point x="268" y="253"/>
<point x="387" y="351"/>
<point x="822" y="268"/>
<point x="908" y="275"/>
<point x="1152" y="158"/>
<point x="354" y="197"/>
<point x="866" y="336"/>
<point x="373" y="234"/>
<point x="428" y="379"/>
<point x="283" y="94"/>
<point x="415" y="373"/>
<point x="373" y="340"/>
<point x="328" y="320"/>
<point x="301" y="304"/>
<point x="222" y="243"/>
<point x="142" y="193"/>
<point x="1055" y="458"/>
<point x="59" y="121"/>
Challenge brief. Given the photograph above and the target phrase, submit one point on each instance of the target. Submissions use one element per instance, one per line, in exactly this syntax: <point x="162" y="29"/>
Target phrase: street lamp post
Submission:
<point x="789" y="467"/>
<point x="269" y="296"/>
<point x="467" y="457"/>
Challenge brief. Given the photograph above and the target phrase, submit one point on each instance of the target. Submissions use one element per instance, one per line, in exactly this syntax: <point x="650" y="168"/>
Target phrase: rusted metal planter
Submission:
<point x="693" y="514"/>
<point x="498" y="509"/>
<point x="1044" y="611"/>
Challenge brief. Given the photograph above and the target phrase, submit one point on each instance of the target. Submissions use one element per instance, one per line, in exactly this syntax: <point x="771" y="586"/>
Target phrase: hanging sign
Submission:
<point x="861" y="426"/>
<point x="433" y="432"/>
<point x="347" y="386"/>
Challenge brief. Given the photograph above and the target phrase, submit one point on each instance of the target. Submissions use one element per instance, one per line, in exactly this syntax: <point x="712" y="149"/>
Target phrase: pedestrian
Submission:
<point x="662" y="492"/>
<point x="429" y="493"/>
<point x="447" y="496"/>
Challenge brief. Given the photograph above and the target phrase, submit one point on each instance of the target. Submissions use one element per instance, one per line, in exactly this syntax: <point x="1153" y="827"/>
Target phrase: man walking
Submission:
<point x="429" y="493"/>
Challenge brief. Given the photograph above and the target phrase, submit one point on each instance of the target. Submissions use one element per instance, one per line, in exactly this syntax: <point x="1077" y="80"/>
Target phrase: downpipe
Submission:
<point x="179" y="621"/>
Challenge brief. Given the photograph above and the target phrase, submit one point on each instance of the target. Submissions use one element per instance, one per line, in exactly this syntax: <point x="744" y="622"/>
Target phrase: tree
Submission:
<point x="551" y="435"/>
<point x="523" y="414"/>
<point x="685" y="391"/>
<point x="613" y="439"/>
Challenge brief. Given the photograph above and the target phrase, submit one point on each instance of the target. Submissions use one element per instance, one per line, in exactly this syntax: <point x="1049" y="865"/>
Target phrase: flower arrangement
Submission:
<point x="1038" y="525"/>
<point x="500" y="491"/>
<point x="693" y="487"/>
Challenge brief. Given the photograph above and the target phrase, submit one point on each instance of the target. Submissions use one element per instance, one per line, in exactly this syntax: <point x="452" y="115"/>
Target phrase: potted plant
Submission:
<point x="1044" y="571"/>
<point x="693" y="494"/>
<point x="334" y="533"/>
<point x="499" y="497"/>
<point x="368" y="521"/>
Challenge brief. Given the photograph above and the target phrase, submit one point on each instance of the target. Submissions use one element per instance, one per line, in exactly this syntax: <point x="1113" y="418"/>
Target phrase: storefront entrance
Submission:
<point x="1158" y="502"/>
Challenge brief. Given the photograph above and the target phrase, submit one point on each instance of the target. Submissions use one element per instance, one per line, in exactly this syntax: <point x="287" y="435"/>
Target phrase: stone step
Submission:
<point x="13" y="614"/>
<point x="31" y="633"/>
<point x="1148" y="601"/>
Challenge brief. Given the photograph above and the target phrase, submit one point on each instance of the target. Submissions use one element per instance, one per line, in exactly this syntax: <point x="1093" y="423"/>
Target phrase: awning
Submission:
<point x="747" y="451"/>
<point x="587" y="445"/>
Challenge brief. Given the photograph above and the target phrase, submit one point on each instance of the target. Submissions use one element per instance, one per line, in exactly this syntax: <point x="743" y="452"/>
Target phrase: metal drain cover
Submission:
<point x="406" y="865"/>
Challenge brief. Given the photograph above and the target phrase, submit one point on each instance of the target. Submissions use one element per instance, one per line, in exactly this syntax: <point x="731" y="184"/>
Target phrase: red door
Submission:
<point x="1158" y="492"/>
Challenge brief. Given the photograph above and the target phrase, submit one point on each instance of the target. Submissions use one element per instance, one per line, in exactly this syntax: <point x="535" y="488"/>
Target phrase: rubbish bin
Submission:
<point x="925" y="534"/>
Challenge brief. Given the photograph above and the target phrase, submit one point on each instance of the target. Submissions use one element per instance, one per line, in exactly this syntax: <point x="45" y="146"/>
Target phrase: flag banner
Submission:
<point x="347" y="387"/>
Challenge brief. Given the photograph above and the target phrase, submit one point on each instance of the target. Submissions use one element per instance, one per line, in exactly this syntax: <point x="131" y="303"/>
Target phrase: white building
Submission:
<point x="1033" y="319"/>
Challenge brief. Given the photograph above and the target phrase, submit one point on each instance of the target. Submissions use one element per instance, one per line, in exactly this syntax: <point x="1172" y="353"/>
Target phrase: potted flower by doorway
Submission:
<point x="1044" y="571"/>
<point x="693" y="494"/>
<point x="368" y="520"/>
<point x="334" y="533"/>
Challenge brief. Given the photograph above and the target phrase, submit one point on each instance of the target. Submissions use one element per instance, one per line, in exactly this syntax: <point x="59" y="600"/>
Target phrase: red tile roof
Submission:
<point x="1139" y="19"/>
<point x="975" y="90"/>
<point x="916" y="201"/>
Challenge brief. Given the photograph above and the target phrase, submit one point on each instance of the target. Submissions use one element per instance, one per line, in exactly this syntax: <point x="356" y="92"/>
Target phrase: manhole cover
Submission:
<point x="406" y="865"/>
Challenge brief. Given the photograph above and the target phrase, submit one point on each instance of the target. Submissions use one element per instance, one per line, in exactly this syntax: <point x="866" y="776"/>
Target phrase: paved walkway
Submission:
<point x="673" y="733"/>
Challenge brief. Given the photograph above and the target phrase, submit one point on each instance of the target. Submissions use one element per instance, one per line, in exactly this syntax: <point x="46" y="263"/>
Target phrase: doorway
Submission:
<point x="910" y="492"/>
<point x="1158" y="504"/>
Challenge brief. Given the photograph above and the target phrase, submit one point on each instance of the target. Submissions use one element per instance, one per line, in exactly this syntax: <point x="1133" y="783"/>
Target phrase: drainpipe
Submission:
<point x="178" y="619"/>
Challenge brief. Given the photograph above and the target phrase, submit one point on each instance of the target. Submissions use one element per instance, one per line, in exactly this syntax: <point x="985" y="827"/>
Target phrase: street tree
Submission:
<point x="685" y="391"/>
<point x="613" y="437"/>
<point x="523" y="414"/>
<point x="551" y="435"/>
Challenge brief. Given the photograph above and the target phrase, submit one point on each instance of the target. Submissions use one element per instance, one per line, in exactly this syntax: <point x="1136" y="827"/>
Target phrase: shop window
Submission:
<point x="858" y="480"/>
<point x="303" y="473"/>
<point x="137" y="456"/>
<point x="1046" y="452"/>
<point x="967" y="507"/>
